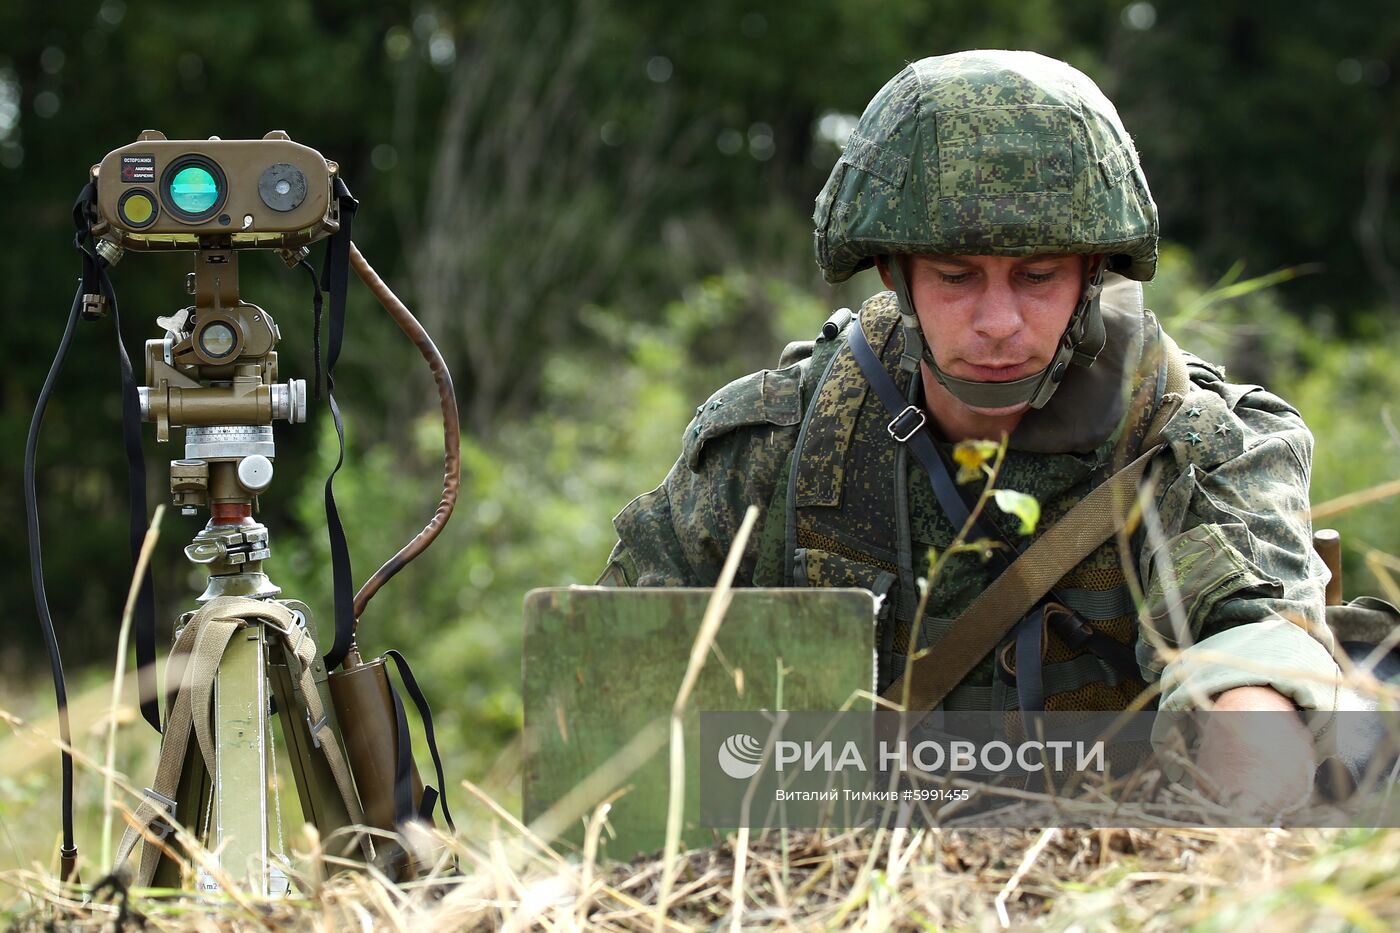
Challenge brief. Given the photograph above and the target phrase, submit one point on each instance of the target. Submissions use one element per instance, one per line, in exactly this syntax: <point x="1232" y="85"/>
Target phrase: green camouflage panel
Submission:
<point x="987" y="153"/>
<point x="1231" y="545"/>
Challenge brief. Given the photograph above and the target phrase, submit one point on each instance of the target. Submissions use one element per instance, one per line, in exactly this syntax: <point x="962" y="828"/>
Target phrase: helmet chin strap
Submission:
<point x="1081" y="342"/>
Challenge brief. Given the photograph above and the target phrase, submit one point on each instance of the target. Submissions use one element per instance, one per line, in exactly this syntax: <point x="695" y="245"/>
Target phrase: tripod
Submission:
<point x="245" y="654"/>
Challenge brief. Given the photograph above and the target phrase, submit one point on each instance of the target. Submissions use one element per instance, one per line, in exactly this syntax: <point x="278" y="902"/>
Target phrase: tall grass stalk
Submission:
<point x="143" y="559"/>
<point x="699" y="651"/>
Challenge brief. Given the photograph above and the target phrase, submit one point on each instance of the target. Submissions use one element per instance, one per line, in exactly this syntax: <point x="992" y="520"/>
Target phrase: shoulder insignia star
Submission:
<point x="1222" y="428"/>
<point x="1193" y="412"/>
<point x="1194" y="438"/>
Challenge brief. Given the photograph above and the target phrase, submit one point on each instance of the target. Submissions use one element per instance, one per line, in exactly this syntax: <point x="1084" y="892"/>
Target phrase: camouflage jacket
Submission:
<point x="1233" y="588"/>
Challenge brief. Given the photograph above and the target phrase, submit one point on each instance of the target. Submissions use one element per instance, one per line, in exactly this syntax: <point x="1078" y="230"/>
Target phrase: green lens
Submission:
<point x="194" y="190"/>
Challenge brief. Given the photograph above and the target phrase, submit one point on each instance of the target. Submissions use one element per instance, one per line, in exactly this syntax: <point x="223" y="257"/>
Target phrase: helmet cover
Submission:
<point x="987" y="153"/>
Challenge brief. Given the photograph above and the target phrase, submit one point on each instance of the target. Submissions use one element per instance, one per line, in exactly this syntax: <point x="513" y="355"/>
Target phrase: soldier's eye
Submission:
<point x="1037" y="278"/>
<point x="955" y="278"/>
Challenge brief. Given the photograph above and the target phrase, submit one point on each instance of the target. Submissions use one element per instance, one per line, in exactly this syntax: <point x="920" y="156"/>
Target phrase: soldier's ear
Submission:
<point x="882" y="264"/>
<point x="1092" y="261"/>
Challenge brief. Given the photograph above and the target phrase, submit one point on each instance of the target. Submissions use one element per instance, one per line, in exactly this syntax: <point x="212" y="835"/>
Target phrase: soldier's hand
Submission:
<point x="1256" y="754"/>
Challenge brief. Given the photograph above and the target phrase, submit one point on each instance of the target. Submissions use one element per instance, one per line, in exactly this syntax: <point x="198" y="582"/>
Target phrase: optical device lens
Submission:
<point x="194" y="190"/>
<point x="217" y="340"/>
<point x="136" y="208"/>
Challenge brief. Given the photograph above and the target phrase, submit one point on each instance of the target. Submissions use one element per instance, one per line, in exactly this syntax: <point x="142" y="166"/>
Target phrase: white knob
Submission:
<point x="255" y="473"/>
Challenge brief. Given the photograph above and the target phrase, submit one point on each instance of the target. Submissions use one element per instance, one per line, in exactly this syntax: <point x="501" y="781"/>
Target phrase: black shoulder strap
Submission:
<point x="96" y="282"/>
<point x="144" y="617"/>
<point x="335" y="273"/>
<point x="36" y="578"/>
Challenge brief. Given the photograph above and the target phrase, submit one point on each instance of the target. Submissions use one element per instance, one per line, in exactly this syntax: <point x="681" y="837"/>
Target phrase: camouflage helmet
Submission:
<point x="990" y="153"/>
<point x="987" y="153"/>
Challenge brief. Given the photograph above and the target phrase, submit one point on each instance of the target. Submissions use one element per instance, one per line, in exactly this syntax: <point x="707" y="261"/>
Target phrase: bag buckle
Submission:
<point x="906" y="424"/>
<point x="1068" y="624"/>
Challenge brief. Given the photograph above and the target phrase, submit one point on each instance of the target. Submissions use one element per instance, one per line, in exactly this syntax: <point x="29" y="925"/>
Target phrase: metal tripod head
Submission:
<point x="214" y="373"/>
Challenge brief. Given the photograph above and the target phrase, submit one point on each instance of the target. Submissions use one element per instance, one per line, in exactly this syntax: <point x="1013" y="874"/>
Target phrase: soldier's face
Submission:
<point x="994" y="318"/>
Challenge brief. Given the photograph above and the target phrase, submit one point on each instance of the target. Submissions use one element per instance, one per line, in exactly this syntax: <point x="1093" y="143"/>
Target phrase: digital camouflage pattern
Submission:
<point x="1009" y="153"/>
<point x="1229" y="573"/>
<point x="984" y="153"/>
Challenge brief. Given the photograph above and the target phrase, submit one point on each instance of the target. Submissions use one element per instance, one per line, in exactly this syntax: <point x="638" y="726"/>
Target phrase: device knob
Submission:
<point x="289" y="401"/>
<point x="255" y="473"/>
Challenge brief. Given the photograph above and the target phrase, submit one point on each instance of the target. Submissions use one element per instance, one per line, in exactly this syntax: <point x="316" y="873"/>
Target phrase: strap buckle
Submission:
<point x="160" y="827"/>
<point x="907" y="423"/>
<point x="315" y="727"/>
<point x="1069" y="625"/>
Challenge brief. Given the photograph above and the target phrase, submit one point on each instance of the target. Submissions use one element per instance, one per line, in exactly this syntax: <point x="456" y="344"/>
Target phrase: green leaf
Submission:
<point x="1024" y="507"/>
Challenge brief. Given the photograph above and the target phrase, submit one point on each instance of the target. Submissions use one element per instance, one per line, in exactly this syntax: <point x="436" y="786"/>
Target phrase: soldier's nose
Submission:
<point x="998" y="316"/>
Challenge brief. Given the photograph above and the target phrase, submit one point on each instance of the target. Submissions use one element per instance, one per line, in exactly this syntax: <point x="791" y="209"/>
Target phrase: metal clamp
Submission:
<point x="907" y="423"/>
<point x="206" y="551"/>
<point x="161" y="827"/>
<point x="316" y="727"/>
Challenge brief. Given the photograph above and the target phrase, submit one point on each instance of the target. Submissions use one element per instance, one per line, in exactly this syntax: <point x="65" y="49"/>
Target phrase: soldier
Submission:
<point x="1004" y="206"/>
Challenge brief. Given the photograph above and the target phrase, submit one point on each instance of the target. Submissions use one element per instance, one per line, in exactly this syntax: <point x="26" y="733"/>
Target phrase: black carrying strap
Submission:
<point x="95" y="282"/>
<point x="1030" y="673"/>
<point x="430" y="795"/>
<point x="36" y="578"/>
<point x="316" y="310"/>
<point x="403" y="764"/>
<point x="335" y="273"/>
<point x="910" y="426"/>
<point x="144" y="613"/>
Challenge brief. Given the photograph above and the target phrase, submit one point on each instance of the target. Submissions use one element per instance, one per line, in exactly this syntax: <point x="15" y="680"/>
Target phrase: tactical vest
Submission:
<point x="859" y="513"/>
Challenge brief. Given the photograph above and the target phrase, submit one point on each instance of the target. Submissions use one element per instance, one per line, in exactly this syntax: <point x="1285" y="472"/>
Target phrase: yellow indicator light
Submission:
<point x="138" y="209"/>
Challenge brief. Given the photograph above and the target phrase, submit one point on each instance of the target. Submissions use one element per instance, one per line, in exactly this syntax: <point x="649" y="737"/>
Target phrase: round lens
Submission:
<point x="217" y="340"/>
<point x="282" y="187"/>
<point x="194" y="190"/>
<point x="136" y="208"/>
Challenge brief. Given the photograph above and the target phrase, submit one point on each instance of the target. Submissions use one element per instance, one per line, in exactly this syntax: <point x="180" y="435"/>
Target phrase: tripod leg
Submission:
<point x="241" y="761"/>
<point x="321" y="802"/>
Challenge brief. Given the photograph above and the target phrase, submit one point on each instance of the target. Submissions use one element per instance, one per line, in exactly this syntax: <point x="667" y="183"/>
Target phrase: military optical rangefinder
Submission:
<point x="177" y="194"/>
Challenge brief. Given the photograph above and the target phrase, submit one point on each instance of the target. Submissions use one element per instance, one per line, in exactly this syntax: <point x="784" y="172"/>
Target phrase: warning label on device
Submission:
<point x="138" y="168"/>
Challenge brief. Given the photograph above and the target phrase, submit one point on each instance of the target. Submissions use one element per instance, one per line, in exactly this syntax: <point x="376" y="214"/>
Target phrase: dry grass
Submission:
<point x="507" y="877"/>
<point x="919" y="879"/>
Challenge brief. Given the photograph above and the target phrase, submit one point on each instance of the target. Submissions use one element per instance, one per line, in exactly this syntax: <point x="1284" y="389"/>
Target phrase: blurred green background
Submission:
<point x="600" y="211"/>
